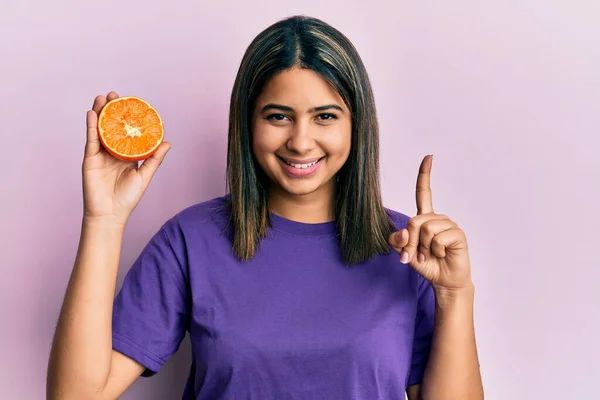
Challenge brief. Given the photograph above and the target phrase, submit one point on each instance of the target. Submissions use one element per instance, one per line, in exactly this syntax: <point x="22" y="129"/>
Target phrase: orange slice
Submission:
<point x="130" y="129"/>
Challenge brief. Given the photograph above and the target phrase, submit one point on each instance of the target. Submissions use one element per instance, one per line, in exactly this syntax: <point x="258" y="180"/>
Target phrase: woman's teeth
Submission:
<point x="302" y="166"/>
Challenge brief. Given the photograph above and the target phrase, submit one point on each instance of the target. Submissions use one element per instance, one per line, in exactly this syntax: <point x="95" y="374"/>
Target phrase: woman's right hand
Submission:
<point x="112" y="188"/>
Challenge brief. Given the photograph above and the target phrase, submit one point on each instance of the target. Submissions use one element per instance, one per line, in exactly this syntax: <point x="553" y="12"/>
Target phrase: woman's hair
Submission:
<point x="363" y="224"/>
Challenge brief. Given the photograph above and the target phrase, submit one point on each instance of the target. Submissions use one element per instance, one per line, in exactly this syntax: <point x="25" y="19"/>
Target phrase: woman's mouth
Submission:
<point x="300" y="168"/>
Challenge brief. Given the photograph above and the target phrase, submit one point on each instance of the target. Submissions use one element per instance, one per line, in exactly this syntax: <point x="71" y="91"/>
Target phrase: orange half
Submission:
<point x="130" y="129"/>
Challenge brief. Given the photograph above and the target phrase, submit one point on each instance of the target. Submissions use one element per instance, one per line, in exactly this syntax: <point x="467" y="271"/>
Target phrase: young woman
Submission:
<point x="297" y="284"/>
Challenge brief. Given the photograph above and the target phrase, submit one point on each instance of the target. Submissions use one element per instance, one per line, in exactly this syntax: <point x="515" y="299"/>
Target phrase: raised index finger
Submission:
<point x="423" y="193"/>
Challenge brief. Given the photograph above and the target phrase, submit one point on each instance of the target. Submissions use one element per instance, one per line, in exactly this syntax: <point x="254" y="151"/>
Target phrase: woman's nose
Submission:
<point x="300" y="140"/>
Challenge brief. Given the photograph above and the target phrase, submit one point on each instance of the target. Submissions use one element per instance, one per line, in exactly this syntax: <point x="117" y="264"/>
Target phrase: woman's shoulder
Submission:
<point x="399" y="219"/>
<point x="207" y="208"/>
<point x="207" y="216"/>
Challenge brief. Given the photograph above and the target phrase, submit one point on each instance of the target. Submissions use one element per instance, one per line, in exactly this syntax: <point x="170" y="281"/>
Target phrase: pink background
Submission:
<point x="506" y="96"/>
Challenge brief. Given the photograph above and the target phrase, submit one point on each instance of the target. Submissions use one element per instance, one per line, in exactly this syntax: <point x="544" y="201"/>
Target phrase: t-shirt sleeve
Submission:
<point x="150" y="312"/>
<point x="423" y="332"/>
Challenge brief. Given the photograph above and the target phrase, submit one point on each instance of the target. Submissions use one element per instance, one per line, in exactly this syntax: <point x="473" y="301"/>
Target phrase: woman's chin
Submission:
<point x="303" y="187"/>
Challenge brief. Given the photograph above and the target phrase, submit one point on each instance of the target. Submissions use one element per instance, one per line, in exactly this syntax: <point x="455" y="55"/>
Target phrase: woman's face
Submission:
<point x="301" y="133"/>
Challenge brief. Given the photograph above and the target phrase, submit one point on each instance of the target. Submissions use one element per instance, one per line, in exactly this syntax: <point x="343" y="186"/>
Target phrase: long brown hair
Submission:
<point x="363" y="224"/>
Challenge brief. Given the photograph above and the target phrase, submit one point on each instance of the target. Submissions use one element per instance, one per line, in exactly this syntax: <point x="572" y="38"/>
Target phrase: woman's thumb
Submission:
<point x="151" y="164"/>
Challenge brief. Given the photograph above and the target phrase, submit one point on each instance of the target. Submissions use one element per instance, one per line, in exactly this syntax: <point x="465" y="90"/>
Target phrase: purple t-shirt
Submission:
<point x="292" y="323"/>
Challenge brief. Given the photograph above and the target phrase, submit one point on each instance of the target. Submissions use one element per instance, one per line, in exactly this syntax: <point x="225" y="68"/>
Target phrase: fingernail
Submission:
<point x="421" y="257"/>
<point x="400" y="236"/>
<point x="404" y="257"/>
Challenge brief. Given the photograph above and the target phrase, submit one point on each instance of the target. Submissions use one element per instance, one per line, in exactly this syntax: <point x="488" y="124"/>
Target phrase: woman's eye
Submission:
<point x="326" y="117"/>
<point x="276" y="117"/>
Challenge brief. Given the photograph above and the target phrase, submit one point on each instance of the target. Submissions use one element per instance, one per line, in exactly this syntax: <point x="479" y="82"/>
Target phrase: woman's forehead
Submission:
<point x="299" y="89"/>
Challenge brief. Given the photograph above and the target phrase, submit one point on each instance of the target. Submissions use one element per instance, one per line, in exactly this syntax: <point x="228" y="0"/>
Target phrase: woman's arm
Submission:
<point x="82" y="362"/>
<point x="437" y="249"/>
<point x="452" y="371"/>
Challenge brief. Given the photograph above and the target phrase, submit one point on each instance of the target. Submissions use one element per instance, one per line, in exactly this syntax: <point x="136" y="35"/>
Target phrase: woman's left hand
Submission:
<point x="432" y="243"/>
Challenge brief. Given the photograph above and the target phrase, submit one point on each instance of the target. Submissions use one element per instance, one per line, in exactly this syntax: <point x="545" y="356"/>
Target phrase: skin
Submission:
<point x="437" y="249"/>
<point x="299" y="116"/>
<point x="82" y="363"/>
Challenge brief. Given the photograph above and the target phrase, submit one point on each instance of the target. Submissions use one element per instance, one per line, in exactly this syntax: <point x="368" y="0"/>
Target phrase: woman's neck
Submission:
<point x="312" y="208"/>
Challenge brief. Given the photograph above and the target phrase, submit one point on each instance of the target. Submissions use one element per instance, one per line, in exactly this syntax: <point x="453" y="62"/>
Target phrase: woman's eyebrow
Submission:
<point x="280" y="107"/>
<point x="327" y="107"/>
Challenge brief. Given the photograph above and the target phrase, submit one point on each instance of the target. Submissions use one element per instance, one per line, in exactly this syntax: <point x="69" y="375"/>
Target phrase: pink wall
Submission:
<point x="506" y="96"/>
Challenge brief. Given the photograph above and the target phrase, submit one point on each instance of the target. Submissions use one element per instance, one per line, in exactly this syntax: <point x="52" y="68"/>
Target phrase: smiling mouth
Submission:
<point x="301" y="165"/>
